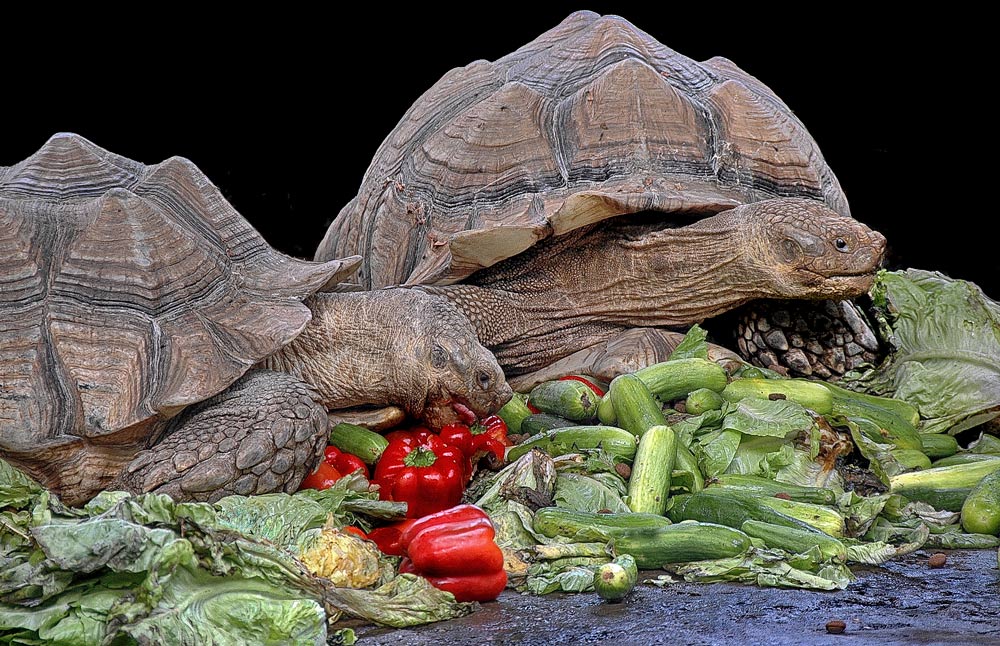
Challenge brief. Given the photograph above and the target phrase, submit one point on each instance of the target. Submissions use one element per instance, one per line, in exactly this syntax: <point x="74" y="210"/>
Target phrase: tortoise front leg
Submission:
<point x="263" y="434"/>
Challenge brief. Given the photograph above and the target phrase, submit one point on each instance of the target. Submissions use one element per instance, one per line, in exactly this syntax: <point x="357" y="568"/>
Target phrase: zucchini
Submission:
<point x="810" y="394"/>
<point x="359" y="441"/>
<point x="635" y="407"/>
<point x="616" y="442"/>
<point x="795" y="540"/>
<point x="613" y="581"/>
<point x="725" y="507"/>
<point x="963" y="458"/>
<point x="675" y="378"/>
<point x="557" y="521"/>
<point x="938" y="445"/>
<point x="758" y="486"/>
<point x="649" y="484"/>
<point x="652" y="540"/>
<point x="911" y="459"/>
<point x="541" y="422"/>
<point x="514" y="412"/>
<point x="702" y="400"/>
<point x="819" y="517"/>
<point x="943" y="487"/>
<point x="981" y="510"/>
<point x="567" y="398"/>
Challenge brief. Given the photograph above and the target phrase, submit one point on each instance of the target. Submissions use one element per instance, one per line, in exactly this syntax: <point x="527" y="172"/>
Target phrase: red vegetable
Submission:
<point x="488" y="436"/>
<point x="322" y="478"/>
<point x="454" y="549"/>
<point x="387" y="537"/>
<point x="420" y="469"/>
<point x="351" y="529"/>
<point x="594" y="387"/>
<point x="345" y="462"/>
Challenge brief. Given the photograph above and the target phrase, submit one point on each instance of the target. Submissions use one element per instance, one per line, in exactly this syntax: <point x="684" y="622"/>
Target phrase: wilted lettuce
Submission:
<point x="944" y="338"/>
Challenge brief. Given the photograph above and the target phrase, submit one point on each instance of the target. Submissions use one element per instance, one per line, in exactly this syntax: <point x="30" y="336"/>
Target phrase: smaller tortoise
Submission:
<point x="134" y="301"/>
<point x="595" y="183"/>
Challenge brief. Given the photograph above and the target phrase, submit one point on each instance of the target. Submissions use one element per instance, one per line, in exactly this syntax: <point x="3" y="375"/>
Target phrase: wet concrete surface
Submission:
<point x="902" y="602"/>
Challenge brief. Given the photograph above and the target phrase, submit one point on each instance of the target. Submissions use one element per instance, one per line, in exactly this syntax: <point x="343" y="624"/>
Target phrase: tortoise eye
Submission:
<point x="841" y="244"/>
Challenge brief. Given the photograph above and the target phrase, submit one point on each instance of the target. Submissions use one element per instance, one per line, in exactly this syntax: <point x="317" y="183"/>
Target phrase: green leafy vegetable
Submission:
<point x="765" y="417"/>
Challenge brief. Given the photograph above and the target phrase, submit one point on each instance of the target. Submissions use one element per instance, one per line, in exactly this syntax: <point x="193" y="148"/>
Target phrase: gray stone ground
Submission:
<point x="901" y="602"/>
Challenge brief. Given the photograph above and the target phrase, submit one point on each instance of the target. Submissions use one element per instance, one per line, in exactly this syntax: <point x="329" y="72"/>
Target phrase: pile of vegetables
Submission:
<point x="574" y="486"/>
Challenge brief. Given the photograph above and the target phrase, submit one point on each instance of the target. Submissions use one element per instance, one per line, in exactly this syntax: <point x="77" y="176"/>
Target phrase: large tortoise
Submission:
<point x="133" y="302"/>
<point x="594" y="182"/>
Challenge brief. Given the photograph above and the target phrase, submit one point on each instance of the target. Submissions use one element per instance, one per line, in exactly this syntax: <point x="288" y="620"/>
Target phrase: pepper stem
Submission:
<point x="420" y="457"/>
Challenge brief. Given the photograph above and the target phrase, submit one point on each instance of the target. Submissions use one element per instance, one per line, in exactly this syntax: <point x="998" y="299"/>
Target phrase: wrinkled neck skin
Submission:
<point x="351" y="352"/>
<point x="585" y="287"/>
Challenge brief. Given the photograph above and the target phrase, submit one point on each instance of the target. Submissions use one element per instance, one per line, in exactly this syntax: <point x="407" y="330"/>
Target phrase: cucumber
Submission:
<point x="981" y="510"/>
<point x="673" y="379"/>
<point x="938" y="445"/>
<point x="943" y="488"/>
<point x="635" y="407"/>
<point x="795" y="540"/>
<point x="359" y="441"/>
<point x="702" y="400"/>
<point x="613" y="581"/>
<point x="616" y="442"/>
<point x="514" y="412"/>
<point x="567" y="398"/>
<point x="758" y="486"/>
<point x="897" y="435"/>
<point x="722" y="506"/>
<point x="652" y="540"/>
<point x="810" y="394"/>
<point x="606" y="411"/>
<point x="541" y="422"/>
<point x="911" y="459"/>
<point x="819" y="517"/>
<point x="557" y="521"/>
<point x="685" y="461"/>
<point x="649" y="484"/>
<point x="878" y="409"/>
<point x="963" y="458"/>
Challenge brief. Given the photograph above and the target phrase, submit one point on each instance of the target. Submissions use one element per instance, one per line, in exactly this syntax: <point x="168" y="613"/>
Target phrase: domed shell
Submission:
<point x="592" y="119"/>
<point x="128" y="292"/>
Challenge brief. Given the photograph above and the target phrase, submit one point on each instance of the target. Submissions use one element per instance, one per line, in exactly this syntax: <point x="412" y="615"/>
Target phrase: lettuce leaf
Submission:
<point x="944" y="336"/>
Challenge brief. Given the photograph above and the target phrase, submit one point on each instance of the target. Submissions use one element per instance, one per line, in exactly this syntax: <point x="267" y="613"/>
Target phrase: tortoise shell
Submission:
<point x="592" y="119"/>
<point x="128" y="292"/>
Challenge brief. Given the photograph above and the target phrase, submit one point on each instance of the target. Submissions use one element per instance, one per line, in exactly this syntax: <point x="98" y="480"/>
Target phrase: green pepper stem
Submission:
<point x="420" y="457"/>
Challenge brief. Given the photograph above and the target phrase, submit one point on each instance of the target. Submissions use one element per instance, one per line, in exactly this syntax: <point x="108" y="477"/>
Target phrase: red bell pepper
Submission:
<point x="351" y="529"/>
<point x="488" y="436"/>
<point x="454" y="549"/>
<point x="418" y="468"/>
<point x="322" y="478"/>
<point x="387" y="537"/>
<point x="345" y="462"/>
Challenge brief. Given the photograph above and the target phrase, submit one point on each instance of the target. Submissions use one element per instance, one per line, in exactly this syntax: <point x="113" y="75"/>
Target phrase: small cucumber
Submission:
<point x="541" y="422"/>
<point x="514" y="412"/>
<point x="566" y="398"/>
<point x="649" y="484"/>
<point x="635" y="407"/>
<point x="944" y="488"/>
<point x="854" y="404"/>
<point x="725" y="507"/>
<point x="795" y="540"/>
<point x="810" y="394"/>
<point x="685" y="461"/>
<point x="674" y="379"/>
<point x="938" y="445"/>
<point x="963" y="458"/>
<point x="558" y="521"/>
<point x="606" y="411"/>
<point x="981" y="510"/>
<point x="819" y="517"/>
<point x="613" y="581"/>
<point x="358" y="441"/>
<point x="702" y="400"/>
<point x="616" y="442"/>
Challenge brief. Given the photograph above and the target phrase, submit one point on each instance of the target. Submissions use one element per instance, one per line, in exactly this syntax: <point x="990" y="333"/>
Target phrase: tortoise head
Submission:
<point x="801" y="249"/>
<point x="459" y="369"/>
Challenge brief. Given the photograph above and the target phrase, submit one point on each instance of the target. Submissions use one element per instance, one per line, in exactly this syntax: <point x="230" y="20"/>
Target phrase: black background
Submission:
<point x="283" y="111"/>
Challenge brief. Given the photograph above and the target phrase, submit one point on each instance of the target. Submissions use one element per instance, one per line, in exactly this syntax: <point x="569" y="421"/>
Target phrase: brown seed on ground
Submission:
<point x="937" y="560"/>
<point x="835" y="627"/>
